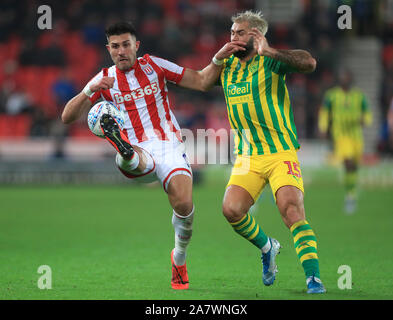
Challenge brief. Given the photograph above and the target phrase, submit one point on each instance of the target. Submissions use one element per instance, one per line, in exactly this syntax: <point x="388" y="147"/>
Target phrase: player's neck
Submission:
<point x="249" y="57"/>
<point x="125" y="70"/>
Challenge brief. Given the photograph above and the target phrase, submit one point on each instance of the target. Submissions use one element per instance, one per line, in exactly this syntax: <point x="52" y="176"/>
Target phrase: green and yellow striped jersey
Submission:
<point x="347" y="111"/>
<point x="259" y="109"/>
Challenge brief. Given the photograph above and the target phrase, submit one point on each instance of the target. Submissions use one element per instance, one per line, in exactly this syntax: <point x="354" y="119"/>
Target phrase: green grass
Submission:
<point x="114" y="242"/>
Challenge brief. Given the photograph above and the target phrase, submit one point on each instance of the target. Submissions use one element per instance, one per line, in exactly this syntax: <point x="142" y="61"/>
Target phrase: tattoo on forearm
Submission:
<point x="298" y="59"/>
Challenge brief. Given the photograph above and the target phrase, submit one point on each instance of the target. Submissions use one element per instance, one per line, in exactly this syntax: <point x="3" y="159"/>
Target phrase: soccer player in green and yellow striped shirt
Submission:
<point x="253" y="77"/>
<point x="345" y="107"/>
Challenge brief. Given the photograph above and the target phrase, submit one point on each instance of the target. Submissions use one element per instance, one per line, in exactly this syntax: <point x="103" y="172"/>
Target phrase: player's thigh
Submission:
<point x="358" y="151"/>
<point x="285" y="171"/>
<point x="347" y="148"/>
<point x="145" y="159"/>
<point x="343" y="148"/>
<point x="247" y="172"/>
<point x="171" y="161"/>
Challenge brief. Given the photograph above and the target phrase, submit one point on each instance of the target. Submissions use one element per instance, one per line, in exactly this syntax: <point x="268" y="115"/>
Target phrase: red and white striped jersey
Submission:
<point x="143" y="94"/>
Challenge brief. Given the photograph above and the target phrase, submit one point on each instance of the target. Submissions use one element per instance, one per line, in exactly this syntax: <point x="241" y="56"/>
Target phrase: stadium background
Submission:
<point x="43" y="162"/>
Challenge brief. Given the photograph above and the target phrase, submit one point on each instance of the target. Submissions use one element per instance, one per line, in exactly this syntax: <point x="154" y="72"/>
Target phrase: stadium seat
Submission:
<point x="13" y="47"/>
<point x="15" y="126"/>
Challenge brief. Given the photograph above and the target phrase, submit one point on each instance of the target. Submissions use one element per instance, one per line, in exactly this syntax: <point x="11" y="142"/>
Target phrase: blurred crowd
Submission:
<point x="42" y="69"/>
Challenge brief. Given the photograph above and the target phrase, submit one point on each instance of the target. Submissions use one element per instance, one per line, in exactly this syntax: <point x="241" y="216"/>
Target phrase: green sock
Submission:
<point x="249" y="229"/>
<point x="350" y="180"/>
<point x="306" y="247"/>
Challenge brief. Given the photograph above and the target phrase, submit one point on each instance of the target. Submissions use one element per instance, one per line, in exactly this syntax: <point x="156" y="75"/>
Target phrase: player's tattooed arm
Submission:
<point x="299" y="60"/>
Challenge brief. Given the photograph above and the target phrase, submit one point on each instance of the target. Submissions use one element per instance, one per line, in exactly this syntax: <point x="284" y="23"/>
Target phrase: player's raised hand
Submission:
<point x="105" y="83"/>
<point x="260" y="43"/>
<point x="230" y="48"/>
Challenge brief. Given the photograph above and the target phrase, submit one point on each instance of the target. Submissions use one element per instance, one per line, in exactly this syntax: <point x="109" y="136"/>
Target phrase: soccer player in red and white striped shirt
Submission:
<point x="150" y="146"/>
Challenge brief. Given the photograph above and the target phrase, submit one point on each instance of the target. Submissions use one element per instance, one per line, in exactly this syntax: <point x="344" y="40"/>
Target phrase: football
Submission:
<point x="96" y="112"/>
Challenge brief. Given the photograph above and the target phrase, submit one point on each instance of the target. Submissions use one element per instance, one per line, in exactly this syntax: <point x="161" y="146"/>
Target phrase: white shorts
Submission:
<point x="169" y="159"/>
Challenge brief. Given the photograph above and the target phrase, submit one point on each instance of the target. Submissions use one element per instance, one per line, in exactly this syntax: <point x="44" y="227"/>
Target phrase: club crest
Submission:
<point x="148" y="69"/>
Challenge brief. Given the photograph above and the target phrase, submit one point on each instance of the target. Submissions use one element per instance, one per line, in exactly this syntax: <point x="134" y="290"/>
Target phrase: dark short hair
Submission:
<point x="119" y="28"/>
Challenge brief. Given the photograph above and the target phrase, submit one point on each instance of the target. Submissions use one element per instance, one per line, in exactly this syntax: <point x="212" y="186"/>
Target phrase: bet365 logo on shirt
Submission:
<point x="137" y="93"/>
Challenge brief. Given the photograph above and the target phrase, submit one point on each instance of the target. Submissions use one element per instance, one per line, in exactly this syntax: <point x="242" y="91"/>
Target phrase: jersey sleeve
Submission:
<point x="173" y="72"/>
<point x="278" y="67"/>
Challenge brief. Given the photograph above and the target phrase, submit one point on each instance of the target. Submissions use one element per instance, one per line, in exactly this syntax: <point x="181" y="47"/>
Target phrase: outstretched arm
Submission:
<point x="74" y="108"/>
<point x="300" y="60"/>
<point x="205" y="79"/>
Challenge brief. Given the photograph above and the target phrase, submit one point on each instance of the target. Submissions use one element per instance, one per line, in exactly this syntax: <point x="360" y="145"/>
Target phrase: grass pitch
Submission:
<point x="114" y="242"/>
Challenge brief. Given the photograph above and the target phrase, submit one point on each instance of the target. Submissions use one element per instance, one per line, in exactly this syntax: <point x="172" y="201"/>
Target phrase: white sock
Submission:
<point x="183" y="233"/>
<point x="128" y="165"/>
<point x="267" y="246"/>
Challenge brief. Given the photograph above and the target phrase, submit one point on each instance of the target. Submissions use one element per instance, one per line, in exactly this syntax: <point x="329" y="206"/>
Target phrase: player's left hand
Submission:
<point x="260" y="43"/>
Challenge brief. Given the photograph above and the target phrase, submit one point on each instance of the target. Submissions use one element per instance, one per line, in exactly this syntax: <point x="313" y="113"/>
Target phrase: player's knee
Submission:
<point x="180" y="194"/>
<point x="292" y="208"/>
<point x="183" y="206"/>
<point x="233" y="211"/>
<point x="350" y="165"/>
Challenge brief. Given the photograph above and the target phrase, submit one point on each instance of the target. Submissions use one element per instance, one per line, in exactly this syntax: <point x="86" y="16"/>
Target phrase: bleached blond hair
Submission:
<point x="254" y="18"/>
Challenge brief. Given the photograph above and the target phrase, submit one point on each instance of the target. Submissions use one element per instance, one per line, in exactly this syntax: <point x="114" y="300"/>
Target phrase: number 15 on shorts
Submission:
<point x="293" y="168"/>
